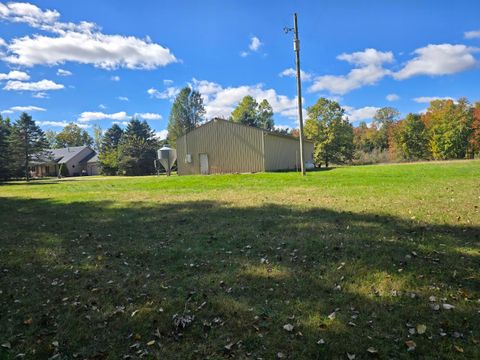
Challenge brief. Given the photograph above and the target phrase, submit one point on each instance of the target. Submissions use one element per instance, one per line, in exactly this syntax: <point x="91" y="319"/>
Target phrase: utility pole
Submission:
<point x="296" y="48"/>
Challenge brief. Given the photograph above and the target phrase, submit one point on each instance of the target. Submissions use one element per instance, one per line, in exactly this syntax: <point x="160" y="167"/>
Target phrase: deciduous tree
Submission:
<point x="73" y="135"/>
<point x="109" y="150"/>
<point x="449" y="127"/>
<point x="187" y="112"/>
<point x="332" y="133"/>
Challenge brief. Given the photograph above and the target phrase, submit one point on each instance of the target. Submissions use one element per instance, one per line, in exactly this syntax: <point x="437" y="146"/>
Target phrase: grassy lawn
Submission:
<point x="358" y="260"/>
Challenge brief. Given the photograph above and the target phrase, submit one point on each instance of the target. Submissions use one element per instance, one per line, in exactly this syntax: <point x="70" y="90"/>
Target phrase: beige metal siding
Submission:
<point x="283" y="153"/>
<point x="230" y="148"/>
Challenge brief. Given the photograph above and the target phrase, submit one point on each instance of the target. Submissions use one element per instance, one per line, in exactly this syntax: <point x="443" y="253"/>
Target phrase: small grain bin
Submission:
<point x="167" y="157"/>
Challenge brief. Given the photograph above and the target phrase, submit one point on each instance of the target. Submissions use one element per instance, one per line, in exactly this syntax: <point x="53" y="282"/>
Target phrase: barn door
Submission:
<point x="204" y="164"/>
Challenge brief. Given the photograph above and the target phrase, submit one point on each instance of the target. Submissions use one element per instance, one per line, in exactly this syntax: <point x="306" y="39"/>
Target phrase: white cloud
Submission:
<point x="392" y="97"/>
<point x="82" y="43"/>
<point x="162" y="134"/>
<point x="97" y="115"/>
<point x="361" y="114"/>
<point x="291" y="72"/>
<point x="123" y="98"/>
<point x="27" y="13"/>
<point x="429" y="99"/>
<point x="369" y="71"/>
<point x="220" y="101"/>
<point x="101" y="106"/>
<point x="255" y="43"/>
<point x="115" y="78"/>
<point x="254" y="46"/>
<point x="472" y="34"/>
<point x="15" y="75"/>
<point x="61" y="124"/>
<point x="167" y="82"/>
<point x="41" y="95"/>
<point x="6" y="112"/>
<point x="443" y="59"/>
<point x="168" y="93"/>
<point x="2" y="42"/>
<point x="27" y="108"/>
<point x="42" y="85"/>
<point x="149" y="116"/>
<point x="62" y="72"/>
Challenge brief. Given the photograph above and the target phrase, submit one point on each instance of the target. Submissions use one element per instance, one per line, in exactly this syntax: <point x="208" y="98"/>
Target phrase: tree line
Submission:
<point x="447" y="130"/>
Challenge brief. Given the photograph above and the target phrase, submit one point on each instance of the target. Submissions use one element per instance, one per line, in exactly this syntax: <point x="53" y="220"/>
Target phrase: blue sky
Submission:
<point x="98" y="62"/>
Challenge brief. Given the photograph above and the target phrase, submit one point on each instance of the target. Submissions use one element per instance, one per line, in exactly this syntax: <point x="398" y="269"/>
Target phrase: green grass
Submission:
<point x="98" y="267"/>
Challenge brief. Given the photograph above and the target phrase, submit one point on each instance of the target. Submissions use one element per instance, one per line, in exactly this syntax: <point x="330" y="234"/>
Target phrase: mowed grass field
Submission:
<point x="354" y="262"/>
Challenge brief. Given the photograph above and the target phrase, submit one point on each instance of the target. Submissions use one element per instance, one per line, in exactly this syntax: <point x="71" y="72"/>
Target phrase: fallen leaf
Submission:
<point x="29" y="321"/>
<point x="280" y="355"/>
<point x="288" y="327"/>
<point x="448" y="307"/>
<point x="229" y="346"/>
<point x="458" y="348"/>
<point x="421" y="328"/>
<point x="321" y="342"/>
<point x="372" y="350"/>
<point x="151" y="342"/>
<point x="332" y="316"/>
<point x="351" y="356"/>
<point x="55" y="343"/>
<point x="134" y="313"/>
<point x="411" y="346"/>
<point x="6" y="345"/>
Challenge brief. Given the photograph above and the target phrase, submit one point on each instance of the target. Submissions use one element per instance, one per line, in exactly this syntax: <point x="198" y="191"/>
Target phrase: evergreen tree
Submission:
<point x="27" y="143"/>
<point x="5" y="151"/>
<point x="246" y="112"/>
<point x="187" y="112"/>
<point x="137" y="150"/>
<point x="332" y="133"/>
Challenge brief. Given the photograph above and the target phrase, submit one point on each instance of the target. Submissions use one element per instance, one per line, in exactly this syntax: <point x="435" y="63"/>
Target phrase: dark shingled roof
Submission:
<point x="61" y="156"/>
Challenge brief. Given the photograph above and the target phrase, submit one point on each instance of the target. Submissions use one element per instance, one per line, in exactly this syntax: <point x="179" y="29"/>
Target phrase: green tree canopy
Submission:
<point x="187" y="112"/>
<point x="137" y="149"/>
<point x="5" y="151"/>
<point x="411" y="138"/>
<point x="383" y="119"/>
<point x="449" y="126"/>
<point x="109" y="150"/>
<point x="332" y="133"/>
<point x="73" y="135"/>
<point x="27" y="142"/>
<point x="249" y="112"/>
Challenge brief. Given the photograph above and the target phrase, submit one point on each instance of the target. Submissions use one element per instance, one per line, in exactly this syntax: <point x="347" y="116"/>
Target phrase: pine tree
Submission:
<point x="27" y="143"/>
<point x="5" y="150"/>
<point x="109" y="150"/>
<point x="137" y="149"/>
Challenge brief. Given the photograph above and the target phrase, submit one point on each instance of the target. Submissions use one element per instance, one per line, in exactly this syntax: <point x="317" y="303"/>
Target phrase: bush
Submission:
<point x="64" y="170"/>
<point x="376" y="156"/>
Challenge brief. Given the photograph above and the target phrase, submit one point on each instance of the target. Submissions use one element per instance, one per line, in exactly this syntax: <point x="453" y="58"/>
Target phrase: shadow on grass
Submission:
<point x="105" y="280"/>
